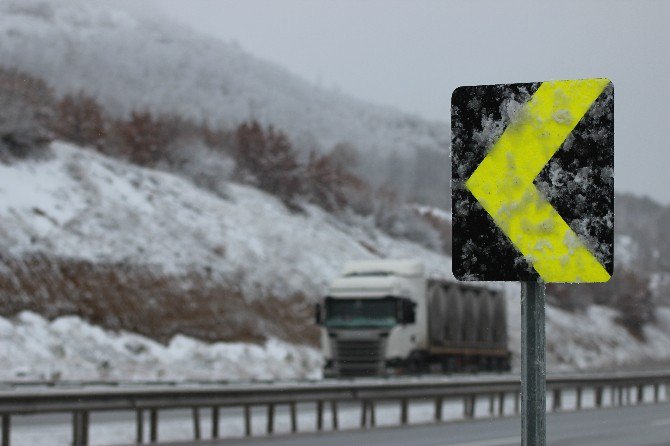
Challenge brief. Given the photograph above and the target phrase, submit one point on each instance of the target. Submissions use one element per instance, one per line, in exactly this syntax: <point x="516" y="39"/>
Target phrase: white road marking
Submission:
<point x="492" y="442"/>
<point x="661" y="422"/>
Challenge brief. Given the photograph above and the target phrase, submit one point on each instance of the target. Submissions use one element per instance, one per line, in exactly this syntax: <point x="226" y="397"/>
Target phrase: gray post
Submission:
<point x="364" y="413"/>
<point x="319" y="415"/>
<point x="533" y="365"/>
<point x="196" y="422"/>
<point x="438" y="409"/>
<point x="294" y="417"/>
<point x="153" y="425"/>
<point x="140" y="426"/>
<point x="247" y="420"/>
<point x="271" y="419"/>
<point x="373" y="417"/>
<point x="333" y="409"/>
<point x="215" y="422"/>
<point x="5" y="429"/>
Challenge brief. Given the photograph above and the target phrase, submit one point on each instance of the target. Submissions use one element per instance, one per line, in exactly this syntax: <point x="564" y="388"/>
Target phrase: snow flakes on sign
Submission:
<point x="512" y="222"/>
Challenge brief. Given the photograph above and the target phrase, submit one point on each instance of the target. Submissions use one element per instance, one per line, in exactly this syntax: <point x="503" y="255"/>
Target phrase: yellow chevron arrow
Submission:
<point x="503" y="182"/>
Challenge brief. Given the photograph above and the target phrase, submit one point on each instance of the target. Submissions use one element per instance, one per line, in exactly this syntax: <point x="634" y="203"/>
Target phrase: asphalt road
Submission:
<point x="647" y="425"/>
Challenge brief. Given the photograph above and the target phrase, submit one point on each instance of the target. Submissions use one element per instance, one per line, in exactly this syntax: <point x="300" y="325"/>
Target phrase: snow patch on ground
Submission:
<point x="595" y="340"/>
<point x="34" y="348"/>
<point x="434" y="212"/>
<point x="625" y="249"/>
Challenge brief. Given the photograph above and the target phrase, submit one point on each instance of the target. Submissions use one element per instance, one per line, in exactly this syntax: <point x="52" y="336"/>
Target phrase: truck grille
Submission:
<point x="357" y="357"/>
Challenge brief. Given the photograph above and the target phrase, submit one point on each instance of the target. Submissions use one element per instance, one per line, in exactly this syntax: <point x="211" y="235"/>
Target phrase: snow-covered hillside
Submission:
<point x="78" y="204"/>
<point x="129" y="61"/>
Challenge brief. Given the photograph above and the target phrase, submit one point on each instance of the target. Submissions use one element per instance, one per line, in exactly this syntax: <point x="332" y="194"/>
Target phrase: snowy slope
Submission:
<point x="130" y="61"/>
<point x="80" y="204"/>
<point x="590" y="339"/>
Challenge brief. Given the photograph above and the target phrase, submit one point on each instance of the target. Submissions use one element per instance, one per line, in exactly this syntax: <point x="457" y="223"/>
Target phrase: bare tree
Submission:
<point x="25" y="114"/>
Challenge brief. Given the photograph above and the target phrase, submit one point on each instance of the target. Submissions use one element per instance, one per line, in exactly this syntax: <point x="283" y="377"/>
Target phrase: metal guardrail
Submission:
<point x="143" y="399"/>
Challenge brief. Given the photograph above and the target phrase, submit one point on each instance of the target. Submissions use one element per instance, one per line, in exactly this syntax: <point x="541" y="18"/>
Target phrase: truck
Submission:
<point x="385" y="317"/>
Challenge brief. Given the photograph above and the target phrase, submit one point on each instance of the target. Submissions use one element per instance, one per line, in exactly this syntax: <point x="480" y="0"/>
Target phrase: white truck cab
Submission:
<point x="373" y="314"/>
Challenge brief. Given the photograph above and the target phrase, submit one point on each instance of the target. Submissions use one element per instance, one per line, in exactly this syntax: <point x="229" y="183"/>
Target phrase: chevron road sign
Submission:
<point x="533" y="201"/>
<point x="533" y="181"/>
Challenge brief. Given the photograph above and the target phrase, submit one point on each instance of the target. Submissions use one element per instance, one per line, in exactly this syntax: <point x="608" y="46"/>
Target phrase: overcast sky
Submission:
<point x="412" y="54"/>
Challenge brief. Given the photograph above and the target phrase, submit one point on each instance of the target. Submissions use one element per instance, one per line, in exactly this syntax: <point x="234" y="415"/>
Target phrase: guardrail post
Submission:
<point x="319" y="415"/>
<point x="333" y="410"/>
<point x="501" y="404"/>
<point x="153" y="425"/>
<point x="271" y="419"/>
<point x="628" y="399"/>
<point x="556" y="400"/>
<point x="656" y="392"/>
<point x="599" y="396"/>
<point x="404" y="416"/>
<point x="517" y="396"/>
<point x="6" y="420"/>
<point x="438" y="409"/>
<point x="215" y="422"/>
<point x="84" y="427"/>
<point x="612" y="396"/>
<point x="579" y="398"/>
<point x="294" y="417"/>
<point x="640" y="394"/>
<point x="364" y="412"/>
<point x="139" y="422"/>
<point x="75" y="429"/>
<point x="247" y="420"/>
<point x="620" y="395"/>
<point x="373" y="418"/>
<point x="196" y="423"/>
<point x="469" y="406"/>
<point x="492" y="404"/>
<point x="80" y="428"/>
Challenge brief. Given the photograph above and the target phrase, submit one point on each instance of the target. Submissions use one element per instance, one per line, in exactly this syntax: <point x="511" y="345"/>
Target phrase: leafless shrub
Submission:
<point x="80" y="119"/>
<point x="144" y="300"/>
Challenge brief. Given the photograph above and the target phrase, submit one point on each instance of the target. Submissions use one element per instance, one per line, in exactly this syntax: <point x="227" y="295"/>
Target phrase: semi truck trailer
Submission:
<point x="383" y="317"/>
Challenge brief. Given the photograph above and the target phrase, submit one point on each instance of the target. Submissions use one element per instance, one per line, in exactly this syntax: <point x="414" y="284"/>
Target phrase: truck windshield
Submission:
<point x="355" y="313"/>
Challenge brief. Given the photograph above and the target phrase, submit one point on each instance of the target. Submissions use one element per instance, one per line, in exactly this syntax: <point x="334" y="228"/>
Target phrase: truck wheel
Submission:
<point x="449" y="364"/>
<point x="416" y="363"/>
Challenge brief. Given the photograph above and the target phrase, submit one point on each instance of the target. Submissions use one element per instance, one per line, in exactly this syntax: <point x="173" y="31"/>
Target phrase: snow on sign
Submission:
<point x="533" y="181"/>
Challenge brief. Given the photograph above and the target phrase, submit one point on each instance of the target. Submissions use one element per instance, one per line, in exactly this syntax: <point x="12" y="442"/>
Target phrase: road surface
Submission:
<point x="647" y="425"/>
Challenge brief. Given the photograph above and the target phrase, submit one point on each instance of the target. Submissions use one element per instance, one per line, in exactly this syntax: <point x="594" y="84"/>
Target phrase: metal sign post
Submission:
<point x="533" y="365"/>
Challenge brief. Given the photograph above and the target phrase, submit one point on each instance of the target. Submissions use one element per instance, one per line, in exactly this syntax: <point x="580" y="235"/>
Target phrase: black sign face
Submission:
<point x="533" y="181"/>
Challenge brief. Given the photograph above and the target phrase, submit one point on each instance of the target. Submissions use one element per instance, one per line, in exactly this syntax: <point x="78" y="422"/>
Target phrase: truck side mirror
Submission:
<point x="317" y="315"/>
<point x="408" y="311"/>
